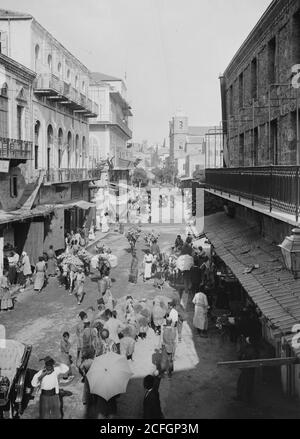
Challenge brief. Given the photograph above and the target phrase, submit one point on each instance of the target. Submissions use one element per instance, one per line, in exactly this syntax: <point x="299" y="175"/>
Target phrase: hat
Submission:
<point x="48" y="361"/>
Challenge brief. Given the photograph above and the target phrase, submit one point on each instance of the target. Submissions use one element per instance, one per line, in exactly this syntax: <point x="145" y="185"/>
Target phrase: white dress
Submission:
<point x="200" y="320"/>
<point x="148" y="260"/>
<point x="105" y="227"/>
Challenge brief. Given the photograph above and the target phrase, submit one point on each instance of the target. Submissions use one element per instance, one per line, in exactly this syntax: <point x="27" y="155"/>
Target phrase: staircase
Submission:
<point x="30" y="192"/>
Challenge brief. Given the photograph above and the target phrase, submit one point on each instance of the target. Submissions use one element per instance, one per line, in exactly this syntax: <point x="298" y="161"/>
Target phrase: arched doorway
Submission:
<point x="37" y="127"/>
<point x="69" y="148"/>
<point x="77" y="152"/>
<point x="60" y="146"/>
<point x="49" y="146"/>
<point x="83" y="152"/>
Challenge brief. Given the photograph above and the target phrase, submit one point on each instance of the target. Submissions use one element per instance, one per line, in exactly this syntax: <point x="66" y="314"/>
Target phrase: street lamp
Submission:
<point x="290" y="249"/>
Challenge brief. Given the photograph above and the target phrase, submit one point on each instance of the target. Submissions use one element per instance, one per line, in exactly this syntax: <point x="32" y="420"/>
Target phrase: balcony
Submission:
<point x="55" y="89"/>
<point x="59" y="176"/>
<point x="276" y="188"/>
<point x="114" y="121"/>
<point x="49" y="85"/>
<point x="13" y="149"/>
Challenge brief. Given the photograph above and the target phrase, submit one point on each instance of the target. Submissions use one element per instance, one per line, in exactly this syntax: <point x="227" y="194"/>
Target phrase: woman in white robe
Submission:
<point x="105" y="226"/>
<point x="200" y="320"/>
<point x="148" y="261"/>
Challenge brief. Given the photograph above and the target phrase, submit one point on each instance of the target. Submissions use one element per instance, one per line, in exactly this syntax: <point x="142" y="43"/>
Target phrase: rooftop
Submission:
<point x="6" y="13"/>
<point x="97" y="77"/>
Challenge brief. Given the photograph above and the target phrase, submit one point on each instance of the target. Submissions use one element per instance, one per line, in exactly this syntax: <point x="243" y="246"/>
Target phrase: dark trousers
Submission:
<point x="50" y="407"/>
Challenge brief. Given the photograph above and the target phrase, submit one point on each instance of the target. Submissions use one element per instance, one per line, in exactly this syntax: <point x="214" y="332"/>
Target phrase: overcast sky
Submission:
<point x="172" y="51"/>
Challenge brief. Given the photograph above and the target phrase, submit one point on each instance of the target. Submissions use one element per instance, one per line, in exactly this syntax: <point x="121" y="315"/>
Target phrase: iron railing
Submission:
<point x="277" y="187"/>
<point x="49" y="82"/>
<point x="67" y="175"/>
<point x="15" y="149"/>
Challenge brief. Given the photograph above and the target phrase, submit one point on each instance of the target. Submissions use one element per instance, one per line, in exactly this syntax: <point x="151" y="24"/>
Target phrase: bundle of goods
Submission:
<point x="185" y="262"/>
<point x="132" y="236"/>
<point x="85" y="256"/>
<point x="151" y="237"/>
<point x="69" y="259"/>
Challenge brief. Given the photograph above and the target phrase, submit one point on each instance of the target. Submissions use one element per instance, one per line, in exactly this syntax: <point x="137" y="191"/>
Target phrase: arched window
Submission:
<point x="4" y="90"/>
<point x="69" y="148"/>
<point x="59" y="68"/>
<point x="37" y="127"/>
<point x="83" y="152"/>
<point x="77" y="151"/>
<point x="36" y="55"/>
<point x="50" y="62"/>
<point x="83" y="86"/>
<point x="49" y="145"/>
<point x="68" y="75"/>
<point x="60" y="146"/>
<point x="76" y="81"/>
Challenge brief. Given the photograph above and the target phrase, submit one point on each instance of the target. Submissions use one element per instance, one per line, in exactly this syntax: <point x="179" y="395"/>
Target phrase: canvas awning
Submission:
<point x="271" y="287"/>
<point x="23" y="214"/>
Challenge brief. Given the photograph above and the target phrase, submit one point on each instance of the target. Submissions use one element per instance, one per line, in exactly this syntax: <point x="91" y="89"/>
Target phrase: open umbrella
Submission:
<point x="108" y="375"/>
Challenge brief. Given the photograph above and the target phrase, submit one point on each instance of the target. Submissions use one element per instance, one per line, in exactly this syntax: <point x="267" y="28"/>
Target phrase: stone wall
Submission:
<point x="281" y="26"/>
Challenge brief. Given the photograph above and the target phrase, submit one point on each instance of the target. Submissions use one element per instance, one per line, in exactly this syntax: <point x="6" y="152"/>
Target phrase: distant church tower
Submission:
<point x="178" y="135"/>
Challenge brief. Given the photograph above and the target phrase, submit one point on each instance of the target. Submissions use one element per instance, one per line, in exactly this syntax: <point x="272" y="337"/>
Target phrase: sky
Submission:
<point x="171" y="52"/>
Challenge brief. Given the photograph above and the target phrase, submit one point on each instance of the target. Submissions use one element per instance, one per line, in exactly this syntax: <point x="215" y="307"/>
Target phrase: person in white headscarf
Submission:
<point x="25" y="269"/>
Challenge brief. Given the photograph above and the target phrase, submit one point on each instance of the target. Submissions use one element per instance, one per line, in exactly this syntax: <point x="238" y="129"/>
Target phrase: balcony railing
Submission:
<point x="49" y="84"/>
<point x="14" y="149"/>
<point x="124" y="126"/>
<point x="56" y="176"/>
<point x="56" y="89"/>
<point x="277" y="187"/>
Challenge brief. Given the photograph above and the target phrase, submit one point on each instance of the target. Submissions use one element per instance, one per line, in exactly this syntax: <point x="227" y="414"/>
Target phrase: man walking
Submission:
<point x="168" y="343"/>
<point x="151" y="404"/>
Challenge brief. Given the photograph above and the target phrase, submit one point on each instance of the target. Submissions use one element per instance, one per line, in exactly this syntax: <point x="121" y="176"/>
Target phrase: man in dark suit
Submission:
<point x="151" y="404"/>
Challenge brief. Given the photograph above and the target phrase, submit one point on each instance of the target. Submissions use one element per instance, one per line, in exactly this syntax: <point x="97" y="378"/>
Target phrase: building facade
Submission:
<point x="259" y="186"/>
<point x="110" y="131"/>
<point x="193" y="148"/>
<point x="259" y="102"/>
<point x="53" y="113"/>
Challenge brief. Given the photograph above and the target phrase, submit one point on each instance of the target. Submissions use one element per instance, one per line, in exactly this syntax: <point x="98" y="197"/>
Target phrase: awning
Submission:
<point x="82" y="204"/>
<point x="271" y="287"/>
<point x="23" y="214"/>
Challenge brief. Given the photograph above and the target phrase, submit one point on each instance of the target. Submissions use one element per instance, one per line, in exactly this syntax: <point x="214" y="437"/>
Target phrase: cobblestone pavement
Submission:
<point x="198" y="388"/>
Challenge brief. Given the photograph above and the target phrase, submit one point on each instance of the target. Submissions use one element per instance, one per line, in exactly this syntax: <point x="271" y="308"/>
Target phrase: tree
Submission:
<point x="170" y="171"/>
<point x="139" y="177"/>
<point x="159" y="174"/>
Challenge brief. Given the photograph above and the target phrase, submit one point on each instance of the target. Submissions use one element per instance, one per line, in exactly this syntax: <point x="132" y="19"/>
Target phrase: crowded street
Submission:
<point x="149" y="213"/>
<point x="208" y="391"/>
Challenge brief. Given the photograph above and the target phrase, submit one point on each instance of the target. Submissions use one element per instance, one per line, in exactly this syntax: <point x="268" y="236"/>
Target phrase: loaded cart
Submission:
<point x="14" y="357"/>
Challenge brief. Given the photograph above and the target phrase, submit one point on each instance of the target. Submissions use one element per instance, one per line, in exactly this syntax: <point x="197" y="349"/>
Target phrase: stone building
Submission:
<point x="194" y="147"/>
<point x="259" y="101"/>
<point x="259" y="186"/>
<point x="53" y="112"/>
